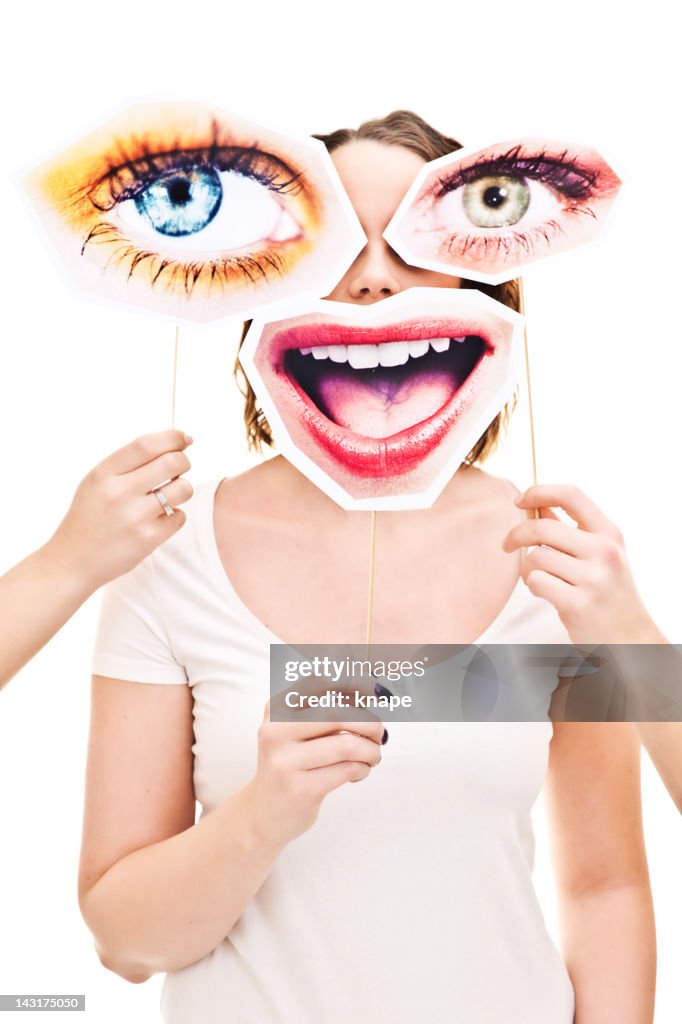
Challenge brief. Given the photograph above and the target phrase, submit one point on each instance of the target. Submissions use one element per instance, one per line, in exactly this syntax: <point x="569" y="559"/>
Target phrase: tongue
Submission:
<point x="379" y="403"/>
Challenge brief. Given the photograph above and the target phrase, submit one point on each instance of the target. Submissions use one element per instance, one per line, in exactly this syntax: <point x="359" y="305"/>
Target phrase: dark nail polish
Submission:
<point x="384" y="738"/>
<point x="382" y="691"/>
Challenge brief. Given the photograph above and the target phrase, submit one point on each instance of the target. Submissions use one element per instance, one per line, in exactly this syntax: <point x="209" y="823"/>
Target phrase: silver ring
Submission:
<point x="161" y="498"/>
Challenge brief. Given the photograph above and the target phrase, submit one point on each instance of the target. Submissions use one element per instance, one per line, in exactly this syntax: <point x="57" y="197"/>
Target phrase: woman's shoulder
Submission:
<point x="243" y="489"/>
<point x="263" y="490"/>
<point x="487" y="486"/>
<point x="483" y="500"/>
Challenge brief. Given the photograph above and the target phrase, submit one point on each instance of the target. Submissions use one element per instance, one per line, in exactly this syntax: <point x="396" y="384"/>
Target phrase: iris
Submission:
<point x="181" y="202"/>
<point x="494" y="202"/>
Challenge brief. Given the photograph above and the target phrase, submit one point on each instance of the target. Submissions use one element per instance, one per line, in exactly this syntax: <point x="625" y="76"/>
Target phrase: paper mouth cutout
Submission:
<point x="196" y="213"/>
<point x="484" y="214"/>
<point x="379" y="405"/>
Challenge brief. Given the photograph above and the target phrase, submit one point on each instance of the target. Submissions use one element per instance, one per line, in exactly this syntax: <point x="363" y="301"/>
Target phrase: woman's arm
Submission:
<point x="157" y="890"/>
<point x="606" y="912"/>
<point x="584" y="572"/>
<point x="113" y="523"/>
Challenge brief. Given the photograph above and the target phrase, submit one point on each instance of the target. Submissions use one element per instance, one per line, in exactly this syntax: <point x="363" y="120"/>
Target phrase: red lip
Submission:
<point x="397" y="454"/>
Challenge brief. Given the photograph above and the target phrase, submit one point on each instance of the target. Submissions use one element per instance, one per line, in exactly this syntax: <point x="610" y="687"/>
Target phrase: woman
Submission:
<point x="298" y="898"/>
<point x="117" y="517"/>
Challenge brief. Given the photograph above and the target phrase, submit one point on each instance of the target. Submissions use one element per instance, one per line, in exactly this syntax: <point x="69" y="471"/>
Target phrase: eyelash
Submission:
<point x="560" y="172"/>
<point x="484" y="244"/>
<point x="148" y="165"/>
<point x="219" y="271"/>
<point x="134" y="174"/>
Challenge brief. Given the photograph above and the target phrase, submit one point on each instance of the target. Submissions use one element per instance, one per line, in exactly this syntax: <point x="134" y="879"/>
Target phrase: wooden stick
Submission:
<point x="176" y="348"/>
<point x="522" y="310"/>
<point x="372" y="553"/>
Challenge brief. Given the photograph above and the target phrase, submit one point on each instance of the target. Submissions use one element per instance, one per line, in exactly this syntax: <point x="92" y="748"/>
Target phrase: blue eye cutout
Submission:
<point x="181" y="202"/>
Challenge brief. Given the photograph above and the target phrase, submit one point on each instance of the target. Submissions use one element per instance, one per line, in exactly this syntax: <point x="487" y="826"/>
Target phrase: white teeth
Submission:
<point x="363" y="357"/>
<point x="386" y="353"/>
<point x="338" y="353"/>
<point x="418" y="348"/>
<point x="393" y="353"/>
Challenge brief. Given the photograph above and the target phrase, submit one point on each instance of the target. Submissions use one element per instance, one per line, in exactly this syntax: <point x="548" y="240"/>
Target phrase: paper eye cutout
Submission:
<point x="196" y="213"/>
<point x="485" y="214"/>
<point x="378" y="405"/>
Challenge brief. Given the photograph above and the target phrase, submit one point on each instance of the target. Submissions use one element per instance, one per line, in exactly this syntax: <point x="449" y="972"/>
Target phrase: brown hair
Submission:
<point x="400" y="128"/>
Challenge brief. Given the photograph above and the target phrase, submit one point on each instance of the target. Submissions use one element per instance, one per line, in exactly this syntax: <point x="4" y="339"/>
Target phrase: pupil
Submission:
<point x="181" y="202"/>
<point x="179" y="191"/>
<point x="495" y="196"/>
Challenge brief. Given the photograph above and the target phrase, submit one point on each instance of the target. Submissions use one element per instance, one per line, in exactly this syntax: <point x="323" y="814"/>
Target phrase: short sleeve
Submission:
<point x="131" y="641"/>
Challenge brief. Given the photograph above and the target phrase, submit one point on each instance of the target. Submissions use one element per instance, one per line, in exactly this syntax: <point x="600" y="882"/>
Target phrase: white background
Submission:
<point x="78" y="379"/>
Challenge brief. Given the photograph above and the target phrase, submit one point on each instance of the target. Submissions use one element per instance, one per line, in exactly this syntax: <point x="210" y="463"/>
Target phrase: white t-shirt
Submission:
<point x="410" y="900"/>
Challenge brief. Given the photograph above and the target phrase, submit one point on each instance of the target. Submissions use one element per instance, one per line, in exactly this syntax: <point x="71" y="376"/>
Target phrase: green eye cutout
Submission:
<point x="484" y="214"/>
<point x="495" y="202"/>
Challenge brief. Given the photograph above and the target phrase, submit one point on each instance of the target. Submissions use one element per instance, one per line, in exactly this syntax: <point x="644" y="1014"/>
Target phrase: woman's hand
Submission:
<point x="115" y="520"/>
<point x="582" y="570"/>
<point x="299" y="763"/>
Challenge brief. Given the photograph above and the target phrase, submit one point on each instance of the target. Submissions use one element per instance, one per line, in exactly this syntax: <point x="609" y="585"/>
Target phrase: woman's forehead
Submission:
<point x="376" y="175"/>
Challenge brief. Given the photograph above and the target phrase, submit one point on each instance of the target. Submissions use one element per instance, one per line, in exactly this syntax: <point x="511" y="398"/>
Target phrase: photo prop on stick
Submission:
<point x="485" y="214"/>
<point x="196" y="213"/>
<point x="378" y="405"/>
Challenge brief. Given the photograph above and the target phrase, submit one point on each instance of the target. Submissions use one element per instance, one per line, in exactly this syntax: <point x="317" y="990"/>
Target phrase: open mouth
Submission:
<point x="380" y="399"/>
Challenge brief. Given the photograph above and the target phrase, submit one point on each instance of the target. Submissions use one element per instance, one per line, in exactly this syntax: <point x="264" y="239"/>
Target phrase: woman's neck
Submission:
<point x="293" y="487"/>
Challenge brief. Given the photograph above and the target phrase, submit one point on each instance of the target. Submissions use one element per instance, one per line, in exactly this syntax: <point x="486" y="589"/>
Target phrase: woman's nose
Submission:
<point x="373" y="275"/>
